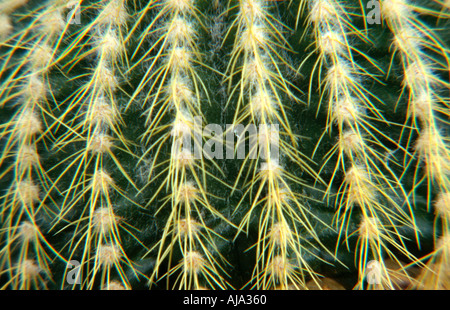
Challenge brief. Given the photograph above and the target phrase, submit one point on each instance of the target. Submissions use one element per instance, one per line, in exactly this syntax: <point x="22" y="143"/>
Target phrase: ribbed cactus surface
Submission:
<point x="244" y="144"/>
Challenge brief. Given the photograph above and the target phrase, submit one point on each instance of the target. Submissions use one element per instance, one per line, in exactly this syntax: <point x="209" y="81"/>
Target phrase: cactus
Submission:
<point x="244" y="144"/>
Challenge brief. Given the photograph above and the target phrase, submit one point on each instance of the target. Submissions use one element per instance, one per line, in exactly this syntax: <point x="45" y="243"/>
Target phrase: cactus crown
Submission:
<point x="183" y="144"/>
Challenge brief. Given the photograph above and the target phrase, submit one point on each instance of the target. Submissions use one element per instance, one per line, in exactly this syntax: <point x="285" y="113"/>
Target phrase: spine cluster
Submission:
<point x="176" y="94"/>
<point x="257" y="82"/>
<point x="422" y="56"/>
<point x="91" y="122"/>
<point x="27" y="255"/>
<point x="369" y="187"/>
